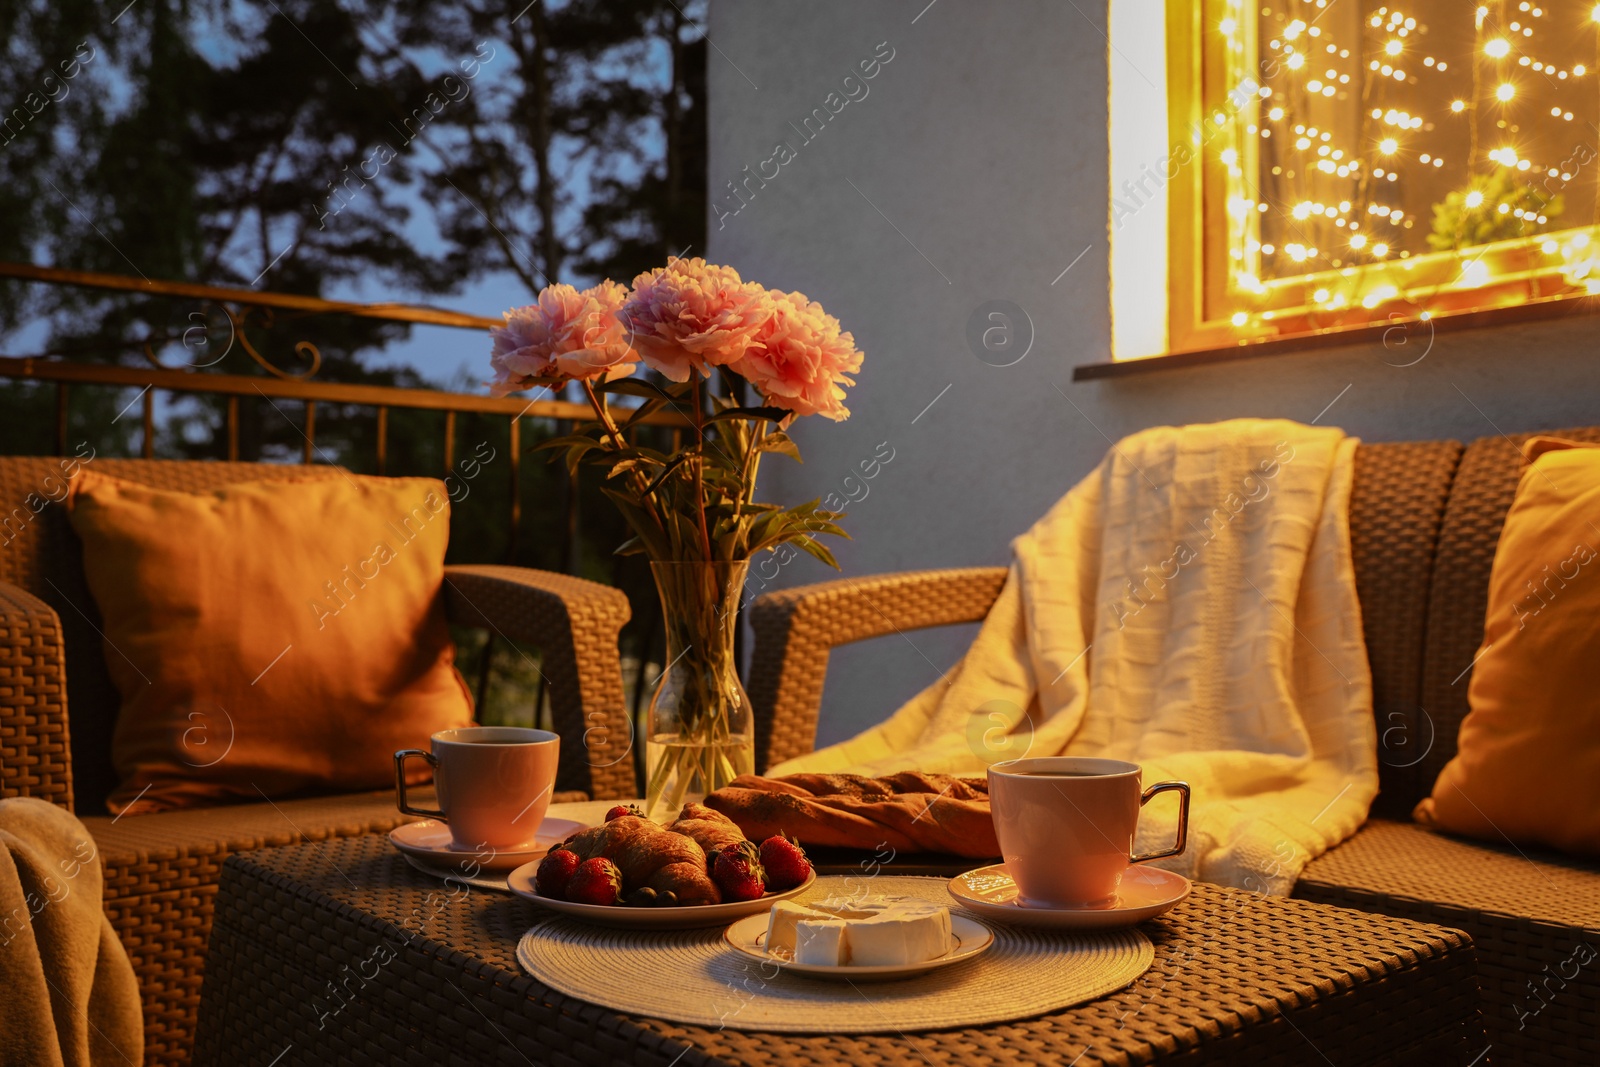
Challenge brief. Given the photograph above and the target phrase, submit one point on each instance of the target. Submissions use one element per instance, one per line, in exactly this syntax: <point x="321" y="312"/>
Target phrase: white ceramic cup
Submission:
<point x="1066" y="826"/>
<point x="494" y="783"/>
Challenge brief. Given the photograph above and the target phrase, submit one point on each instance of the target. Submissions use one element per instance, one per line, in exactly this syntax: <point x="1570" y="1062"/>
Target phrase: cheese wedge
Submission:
<point x="908" y="931"/>
<point x="822" y="941"/>
<point x="877" y="931"/>
<point x="781" y="923"/>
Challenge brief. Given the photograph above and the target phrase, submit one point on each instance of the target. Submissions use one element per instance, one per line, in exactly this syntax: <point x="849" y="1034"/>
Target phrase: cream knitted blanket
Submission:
<point x="1189" y="606"/>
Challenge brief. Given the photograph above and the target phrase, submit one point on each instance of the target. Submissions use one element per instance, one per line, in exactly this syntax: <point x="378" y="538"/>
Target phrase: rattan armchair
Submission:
<point x="161" y="870"/>
<point x="796" y="630"/>
<point x="1424" y="521"/>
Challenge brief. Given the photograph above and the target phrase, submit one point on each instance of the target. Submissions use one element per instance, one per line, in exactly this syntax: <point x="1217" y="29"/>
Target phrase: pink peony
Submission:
<point x="567" y="334"/>
<point x="691" y="315"/>
<point x="800" y="358"/>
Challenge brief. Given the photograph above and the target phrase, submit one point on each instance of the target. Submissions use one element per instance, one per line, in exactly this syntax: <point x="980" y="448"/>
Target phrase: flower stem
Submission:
<point x="752" y="464"/>
<point x="617" y="440"/>
<point x="699" y="463"/>
<point x="752" y="467"/>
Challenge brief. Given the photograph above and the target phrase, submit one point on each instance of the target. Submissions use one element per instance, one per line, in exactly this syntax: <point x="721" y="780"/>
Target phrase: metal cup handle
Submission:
<point x="400" y="782"/>
<point x="1183" y="819"/>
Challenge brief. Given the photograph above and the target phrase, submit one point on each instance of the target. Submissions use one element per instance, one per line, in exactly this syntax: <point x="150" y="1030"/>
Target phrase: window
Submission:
<point x="1336" y="165"/>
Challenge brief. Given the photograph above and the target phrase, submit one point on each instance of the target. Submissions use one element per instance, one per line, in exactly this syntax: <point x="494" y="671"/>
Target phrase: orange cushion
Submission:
<point x="269" y="637"/>
<point x="1528" y="762"/>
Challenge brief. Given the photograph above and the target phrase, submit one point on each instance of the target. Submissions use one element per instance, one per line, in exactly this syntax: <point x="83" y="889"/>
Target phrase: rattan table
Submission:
<point x="340" y="952"/>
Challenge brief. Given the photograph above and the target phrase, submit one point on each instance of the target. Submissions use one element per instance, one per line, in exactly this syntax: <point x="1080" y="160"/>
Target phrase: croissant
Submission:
<point x="648" y="855"/>
<point x="711" y="830"/>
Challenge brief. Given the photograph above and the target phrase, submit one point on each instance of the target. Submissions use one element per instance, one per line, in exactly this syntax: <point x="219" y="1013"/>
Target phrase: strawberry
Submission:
<point x="737" y="872"/>
<point x="555" y="870"/>
<point x="623" y="809"/>
<point x="596" y="881"/>
<point x="785" y="863"/>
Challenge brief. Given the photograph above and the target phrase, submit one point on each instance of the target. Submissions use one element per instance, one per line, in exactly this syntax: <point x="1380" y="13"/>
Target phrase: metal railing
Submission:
<point x="239" y="306"/>
<point x="278" y="384"/>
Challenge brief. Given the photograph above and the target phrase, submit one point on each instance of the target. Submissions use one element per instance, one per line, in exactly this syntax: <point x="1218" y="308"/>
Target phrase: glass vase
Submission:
<point x="700" y="733"/>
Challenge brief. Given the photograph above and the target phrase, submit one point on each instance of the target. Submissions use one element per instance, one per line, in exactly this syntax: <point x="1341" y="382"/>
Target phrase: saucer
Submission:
<point x="1145" y="893"/>
<point x="968" y="938"/>
<point x="429" y="841"/>
<point x="482" y="880"/>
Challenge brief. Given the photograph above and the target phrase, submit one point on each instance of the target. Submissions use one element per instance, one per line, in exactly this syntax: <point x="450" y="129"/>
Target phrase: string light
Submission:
<point x="1319" y="166"/>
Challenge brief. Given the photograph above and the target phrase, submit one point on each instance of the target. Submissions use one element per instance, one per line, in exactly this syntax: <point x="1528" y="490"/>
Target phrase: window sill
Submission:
<point x="1398" y="336"/>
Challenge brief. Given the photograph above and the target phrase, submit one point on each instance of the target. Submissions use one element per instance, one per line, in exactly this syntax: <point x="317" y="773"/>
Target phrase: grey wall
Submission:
<point x="979" y="164"/>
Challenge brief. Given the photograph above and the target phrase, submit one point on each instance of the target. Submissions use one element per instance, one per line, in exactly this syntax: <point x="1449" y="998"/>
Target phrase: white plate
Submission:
<point x="1145" y="892"/>
<point x="520" y="881"/>
<point x="970" y="938"/>
<point x="429" y="841"/>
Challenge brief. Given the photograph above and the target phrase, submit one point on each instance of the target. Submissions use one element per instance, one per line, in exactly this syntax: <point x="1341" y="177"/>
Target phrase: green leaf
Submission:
<point x="576" y="448"/>
<point x="687" y="532"/>
<point x="623" y="466"/>
<point x="769" y="413"/>
<point x="817" y="549"/>
<point x="636" y="387"/>
<point x="570" y="441"/>
<point x="796" y="525"/>
<point x="642" y="412"/>
<point x="644" y="527"/>
<point x="670" y="467"/>
<point x="650" y="453"/>
<point x="781" y="443"/>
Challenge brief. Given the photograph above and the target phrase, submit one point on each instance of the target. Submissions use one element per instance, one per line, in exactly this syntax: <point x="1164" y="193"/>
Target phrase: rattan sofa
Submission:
<point x="1425" y="518"/>
<point x="161" y="871"/>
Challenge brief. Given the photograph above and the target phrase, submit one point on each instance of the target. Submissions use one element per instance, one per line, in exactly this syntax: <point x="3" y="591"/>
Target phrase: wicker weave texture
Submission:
<point x="1484" y="487"/>
<point x="341" y="953"/>
<point x="1396" y="507"/>
<point x="162" y="870"/>
<point x="161" y="874"/>
<point x="35" y="746"/>
<point x="796" y="629"/>
<point x="575" y="624"/>
<point x="1535" y="920"/>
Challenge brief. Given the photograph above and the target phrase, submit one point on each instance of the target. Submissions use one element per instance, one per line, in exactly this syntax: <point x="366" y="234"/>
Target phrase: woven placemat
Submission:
<point x="692" y="976"/>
